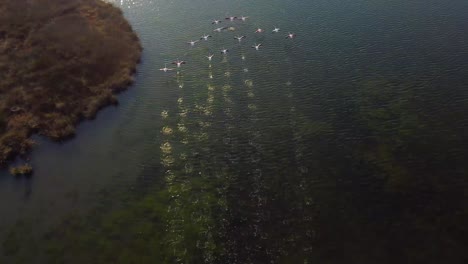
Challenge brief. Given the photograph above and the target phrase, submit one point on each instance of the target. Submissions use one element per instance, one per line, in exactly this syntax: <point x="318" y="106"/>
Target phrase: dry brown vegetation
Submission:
<point x="25" y="169"/>
<point x="60" y="62"/>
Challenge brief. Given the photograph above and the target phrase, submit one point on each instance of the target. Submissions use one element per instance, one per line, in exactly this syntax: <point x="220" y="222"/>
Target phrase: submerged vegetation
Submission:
<point x="298" y="168"/>
<point x="60" y="61"/>
<point x="223" y="197"/>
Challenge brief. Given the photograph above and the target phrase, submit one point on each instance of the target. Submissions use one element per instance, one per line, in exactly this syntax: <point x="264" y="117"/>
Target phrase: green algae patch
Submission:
<point x="60" y="62"/>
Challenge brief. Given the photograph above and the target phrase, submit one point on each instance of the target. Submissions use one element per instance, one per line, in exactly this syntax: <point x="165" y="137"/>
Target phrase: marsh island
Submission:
<point x="60" y="62"/>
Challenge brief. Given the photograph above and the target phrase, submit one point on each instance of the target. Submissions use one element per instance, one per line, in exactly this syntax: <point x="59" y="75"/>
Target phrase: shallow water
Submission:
<point x="347" y="144"/>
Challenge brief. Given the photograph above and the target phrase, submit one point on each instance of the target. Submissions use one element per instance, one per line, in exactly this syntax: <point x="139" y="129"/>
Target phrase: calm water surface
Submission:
<point x="347" y="144"/>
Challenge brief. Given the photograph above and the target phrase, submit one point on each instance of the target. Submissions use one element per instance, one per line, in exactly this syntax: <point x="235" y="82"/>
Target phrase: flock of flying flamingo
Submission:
<point x="224" y="51"/>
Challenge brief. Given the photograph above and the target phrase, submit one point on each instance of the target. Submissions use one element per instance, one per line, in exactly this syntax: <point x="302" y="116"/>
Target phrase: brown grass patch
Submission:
<point x="60" y="61"/>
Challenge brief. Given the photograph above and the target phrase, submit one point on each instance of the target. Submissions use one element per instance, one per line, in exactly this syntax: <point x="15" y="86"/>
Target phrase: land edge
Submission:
<point x="20" y="152"/>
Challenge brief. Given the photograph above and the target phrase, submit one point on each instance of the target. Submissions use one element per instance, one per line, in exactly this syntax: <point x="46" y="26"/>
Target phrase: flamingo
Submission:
<point x="220" y="29"/>
<point x="205" y="37"/>
<point x="192" y="42"/>
<point x="166" y="69"/>
<point x="240" y="38"/>
<point x="179" y="63"/>
<point x="259" y="30"/>
<point x="291" y="35"/>
<point x="257" y="46"/>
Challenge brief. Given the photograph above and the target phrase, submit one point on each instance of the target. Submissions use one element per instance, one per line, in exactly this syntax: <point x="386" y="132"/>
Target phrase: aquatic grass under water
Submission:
<point x="339" y="168"/>
<point x="212" y="207"/>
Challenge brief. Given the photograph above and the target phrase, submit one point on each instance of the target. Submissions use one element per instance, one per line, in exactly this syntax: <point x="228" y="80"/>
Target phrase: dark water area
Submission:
<point x="347" y="144"/>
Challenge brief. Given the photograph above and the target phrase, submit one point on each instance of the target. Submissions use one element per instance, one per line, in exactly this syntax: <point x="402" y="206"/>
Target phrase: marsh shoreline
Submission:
<point x="60" y="63"/>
